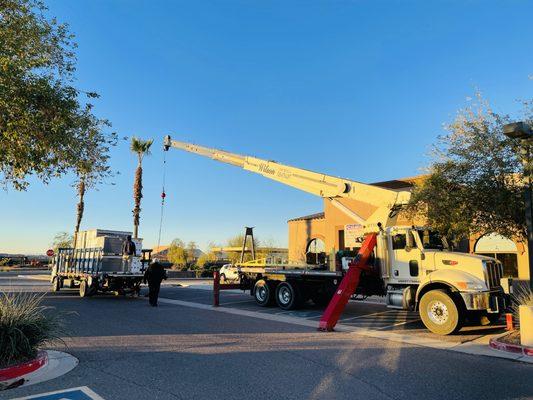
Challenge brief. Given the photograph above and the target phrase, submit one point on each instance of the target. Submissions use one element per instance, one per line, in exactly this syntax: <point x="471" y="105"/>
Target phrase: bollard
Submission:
<point x="216" y="289"/>
<point x="509" y="322"/>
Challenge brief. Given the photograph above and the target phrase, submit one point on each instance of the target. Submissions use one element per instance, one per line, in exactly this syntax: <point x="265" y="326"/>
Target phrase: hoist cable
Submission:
<point x="163" y="195"/>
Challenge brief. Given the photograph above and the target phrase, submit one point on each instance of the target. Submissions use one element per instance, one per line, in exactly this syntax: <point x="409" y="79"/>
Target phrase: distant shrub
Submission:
<point x="25" y="327"/>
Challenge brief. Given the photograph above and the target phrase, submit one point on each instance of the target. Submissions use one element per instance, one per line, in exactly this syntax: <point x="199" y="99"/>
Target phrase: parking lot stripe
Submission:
<point x="364" y="316"/>
<point x="400" y="323"/>
<point x="236" y="302"/>
<point x="474" y="349"/>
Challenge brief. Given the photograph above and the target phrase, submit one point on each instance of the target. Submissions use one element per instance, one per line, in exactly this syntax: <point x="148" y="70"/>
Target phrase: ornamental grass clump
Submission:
<point x="25" y="327"/>
<point x="522" y="296"/>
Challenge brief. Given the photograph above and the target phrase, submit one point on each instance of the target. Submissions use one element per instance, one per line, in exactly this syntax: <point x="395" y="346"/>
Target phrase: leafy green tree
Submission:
<point x="475" y="184"/>
<point x="266" y="249"/>
<point x="45" y="128"/>
<point x="206" y="258"/>
<point x="62" y="240"/>
<point x="140" y="148"/>
<point x="177" y="254"/>
<point x="191" y="253"/>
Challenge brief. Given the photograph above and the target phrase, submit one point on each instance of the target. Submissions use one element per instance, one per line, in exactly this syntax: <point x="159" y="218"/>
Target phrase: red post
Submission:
<point x="348" y="285"/>
<point x="509" y="321"/>
<point x="216" y="289"/>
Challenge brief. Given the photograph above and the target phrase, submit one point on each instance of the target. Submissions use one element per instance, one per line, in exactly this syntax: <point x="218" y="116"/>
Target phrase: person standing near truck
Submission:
<point x="128" y="251"/>
<point x="154" y="274"/>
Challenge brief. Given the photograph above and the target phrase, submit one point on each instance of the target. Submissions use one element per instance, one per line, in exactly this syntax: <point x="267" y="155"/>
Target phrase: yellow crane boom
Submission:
<point x="386" y="201"/>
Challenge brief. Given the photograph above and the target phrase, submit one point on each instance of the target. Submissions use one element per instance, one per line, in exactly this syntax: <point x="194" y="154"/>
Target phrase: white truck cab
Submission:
<point x="421" y="272"/>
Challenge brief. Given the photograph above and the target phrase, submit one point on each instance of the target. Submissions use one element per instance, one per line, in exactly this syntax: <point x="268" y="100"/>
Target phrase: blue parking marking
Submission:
<point x="79" y="393"/>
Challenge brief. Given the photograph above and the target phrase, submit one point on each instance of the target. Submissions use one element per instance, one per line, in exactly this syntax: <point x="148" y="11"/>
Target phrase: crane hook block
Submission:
<point x="166" y="143"/>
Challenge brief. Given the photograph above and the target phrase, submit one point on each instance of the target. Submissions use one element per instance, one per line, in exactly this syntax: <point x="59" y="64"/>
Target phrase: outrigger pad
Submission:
<point x="348" y="285"/>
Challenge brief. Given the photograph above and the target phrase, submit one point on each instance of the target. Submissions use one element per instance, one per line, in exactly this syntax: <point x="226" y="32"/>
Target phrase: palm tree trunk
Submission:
<point x="137" y="196"/>
<point x="80" y="208"/>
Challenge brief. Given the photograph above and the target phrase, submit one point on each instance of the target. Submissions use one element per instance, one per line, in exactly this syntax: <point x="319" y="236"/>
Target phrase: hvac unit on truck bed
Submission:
<point x="411" y="266"/>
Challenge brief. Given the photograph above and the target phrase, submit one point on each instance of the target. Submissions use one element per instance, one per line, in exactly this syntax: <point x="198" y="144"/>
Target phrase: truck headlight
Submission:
<point x="470" y="286"/>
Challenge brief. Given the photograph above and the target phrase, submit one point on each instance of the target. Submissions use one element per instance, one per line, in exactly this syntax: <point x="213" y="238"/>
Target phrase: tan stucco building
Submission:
<point x="312" y="237"/>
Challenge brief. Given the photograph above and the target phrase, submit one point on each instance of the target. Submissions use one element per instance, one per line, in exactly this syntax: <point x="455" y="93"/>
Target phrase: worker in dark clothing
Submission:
<point x="128" y="248"/>
<point x="154" y="274"/>
<point x="128" y="251"/>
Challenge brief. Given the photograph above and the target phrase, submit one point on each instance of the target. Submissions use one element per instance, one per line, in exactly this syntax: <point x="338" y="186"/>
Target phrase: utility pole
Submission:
<point x="522" y="131"/>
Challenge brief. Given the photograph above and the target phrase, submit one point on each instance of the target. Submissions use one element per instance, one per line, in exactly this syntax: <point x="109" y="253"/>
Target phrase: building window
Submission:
<point x="500" y="248"/>
<point x="315" y="252"/>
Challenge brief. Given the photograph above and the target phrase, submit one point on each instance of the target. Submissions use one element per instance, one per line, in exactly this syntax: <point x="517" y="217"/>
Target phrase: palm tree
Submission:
<point x="81" y="205"/>
<point x="85" y="178"/>
<point x="141" y="148"/>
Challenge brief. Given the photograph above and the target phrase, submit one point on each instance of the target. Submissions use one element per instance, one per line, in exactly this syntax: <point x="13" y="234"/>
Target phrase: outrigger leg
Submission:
<point x="348" y="285"/>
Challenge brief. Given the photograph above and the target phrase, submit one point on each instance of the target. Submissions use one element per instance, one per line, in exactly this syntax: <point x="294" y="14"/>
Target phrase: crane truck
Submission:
<point x="411" y="266"/>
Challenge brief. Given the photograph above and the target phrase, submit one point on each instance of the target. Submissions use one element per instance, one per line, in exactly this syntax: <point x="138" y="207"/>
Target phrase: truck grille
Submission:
<point x="493" y="274"/>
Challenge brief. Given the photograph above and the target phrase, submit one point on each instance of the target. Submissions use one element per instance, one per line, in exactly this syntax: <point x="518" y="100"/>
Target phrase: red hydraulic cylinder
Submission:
<point x="348" y="285"/>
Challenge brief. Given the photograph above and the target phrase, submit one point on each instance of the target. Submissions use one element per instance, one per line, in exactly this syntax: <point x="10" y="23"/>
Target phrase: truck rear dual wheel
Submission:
<point x="56" y="284"/>
<point x="86" y="290"/>
<point x="288" y="296"/>
<point x="264" y="293"/>
<point x="440" y="313"/>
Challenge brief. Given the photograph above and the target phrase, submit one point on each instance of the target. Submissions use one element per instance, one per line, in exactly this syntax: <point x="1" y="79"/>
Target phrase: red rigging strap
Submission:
<point x="348" y="285"/>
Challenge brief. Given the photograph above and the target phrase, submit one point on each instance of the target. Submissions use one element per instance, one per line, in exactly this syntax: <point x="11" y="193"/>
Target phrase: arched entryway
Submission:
<point x="501" y="248"/>
<point x="315" y="252"/>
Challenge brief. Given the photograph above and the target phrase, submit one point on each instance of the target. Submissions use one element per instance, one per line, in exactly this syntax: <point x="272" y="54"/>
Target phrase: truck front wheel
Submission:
<point x="440" y="313"/>
<point x="263" y="293"/>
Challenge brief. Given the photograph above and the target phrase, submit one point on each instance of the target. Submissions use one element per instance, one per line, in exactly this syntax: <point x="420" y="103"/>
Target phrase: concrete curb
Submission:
<point x="57" y="364"/>
<point x="496" y="344"/>
<point x="13" y="376"/>
<point x="476" y="347"/>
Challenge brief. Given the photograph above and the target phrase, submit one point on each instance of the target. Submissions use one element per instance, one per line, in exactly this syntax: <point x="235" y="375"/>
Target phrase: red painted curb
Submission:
<point x="19" y="370"/>
<point x="511" y="348"/>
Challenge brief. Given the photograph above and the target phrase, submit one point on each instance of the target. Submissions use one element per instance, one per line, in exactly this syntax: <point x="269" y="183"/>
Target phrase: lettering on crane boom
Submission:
<point x="281" y="173"/>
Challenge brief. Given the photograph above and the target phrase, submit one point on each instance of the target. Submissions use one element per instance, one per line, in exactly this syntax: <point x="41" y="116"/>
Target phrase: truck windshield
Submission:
<point x="432" y="240"/>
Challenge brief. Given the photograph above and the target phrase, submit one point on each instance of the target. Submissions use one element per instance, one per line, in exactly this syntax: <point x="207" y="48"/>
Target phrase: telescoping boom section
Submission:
<point x="385" y="202"/>
<point x="411" y="266"/>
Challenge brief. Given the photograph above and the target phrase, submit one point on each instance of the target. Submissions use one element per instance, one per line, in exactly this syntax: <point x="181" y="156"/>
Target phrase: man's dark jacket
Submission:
<point x="154" y="274"/>
<point x="128" y="248"/>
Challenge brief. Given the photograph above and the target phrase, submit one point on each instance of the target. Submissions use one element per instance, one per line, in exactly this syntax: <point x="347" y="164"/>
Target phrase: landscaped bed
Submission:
<point x="25" y="327"/>
<point x="511" y="338"/>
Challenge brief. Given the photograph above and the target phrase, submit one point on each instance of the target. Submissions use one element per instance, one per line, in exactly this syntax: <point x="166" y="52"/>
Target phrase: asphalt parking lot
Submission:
<point x="370" y="314"/>
<point x="185" y="350"/>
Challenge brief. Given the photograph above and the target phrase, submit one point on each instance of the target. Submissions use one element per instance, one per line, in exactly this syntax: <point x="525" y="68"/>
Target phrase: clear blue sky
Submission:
<point x="352" y="88"/>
